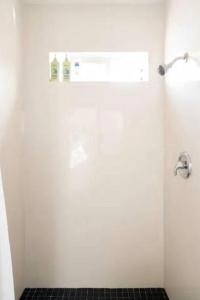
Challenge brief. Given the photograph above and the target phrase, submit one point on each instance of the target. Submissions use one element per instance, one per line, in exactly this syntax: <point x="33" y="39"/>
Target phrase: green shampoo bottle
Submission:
<point x="66" y="69"/>
<point x="54" y="70"/>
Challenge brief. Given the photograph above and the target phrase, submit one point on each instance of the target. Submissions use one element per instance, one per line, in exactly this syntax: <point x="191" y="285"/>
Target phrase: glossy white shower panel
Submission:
<point x="90" y="146"/>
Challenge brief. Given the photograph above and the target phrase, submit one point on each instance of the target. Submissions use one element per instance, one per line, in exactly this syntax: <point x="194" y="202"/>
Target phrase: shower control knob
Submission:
<point x="183" y="166"/>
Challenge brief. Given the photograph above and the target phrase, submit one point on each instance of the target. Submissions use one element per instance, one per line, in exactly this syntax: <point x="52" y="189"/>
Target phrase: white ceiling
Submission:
<point x="92" y="1"/>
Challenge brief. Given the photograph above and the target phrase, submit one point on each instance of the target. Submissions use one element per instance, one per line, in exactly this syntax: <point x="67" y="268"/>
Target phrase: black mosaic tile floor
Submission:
<point x="94" y="294"/>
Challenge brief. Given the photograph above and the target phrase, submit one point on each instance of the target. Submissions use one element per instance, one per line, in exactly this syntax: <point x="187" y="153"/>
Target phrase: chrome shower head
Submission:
<point x="162" y="69"/>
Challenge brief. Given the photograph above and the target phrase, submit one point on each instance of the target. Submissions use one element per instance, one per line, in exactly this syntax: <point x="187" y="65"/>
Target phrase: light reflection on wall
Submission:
<point x="82" y="136"/>
<point x="111" y="132"/>
<point x="78" y="155"/>
<point x="14" y="15"/>
<point x="94" y="133"/>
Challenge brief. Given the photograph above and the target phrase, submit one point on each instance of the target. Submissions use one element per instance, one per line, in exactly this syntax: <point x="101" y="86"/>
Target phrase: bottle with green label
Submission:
<point x="54" y="70"/>
<point x="66" y="69"/>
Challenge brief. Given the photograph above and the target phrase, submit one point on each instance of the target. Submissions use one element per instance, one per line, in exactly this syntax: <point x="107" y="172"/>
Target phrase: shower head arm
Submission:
<point x="184" y="57"/>
<point x="162" y="69"/>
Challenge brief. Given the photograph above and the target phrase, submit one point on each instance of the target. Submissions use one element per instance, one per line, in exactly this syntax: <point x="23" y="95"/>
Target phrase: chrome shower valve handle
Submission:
<point x="183" y="166"/>
<point x="179" y="166"/>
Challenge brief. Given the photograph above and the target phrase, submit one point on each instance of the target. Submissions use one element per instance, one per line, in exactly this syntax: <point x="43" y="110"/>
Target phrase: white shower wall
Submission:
<point x="10" y="147"/>
<point x="182" y="128"/>
<point x="96" y="221"/>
